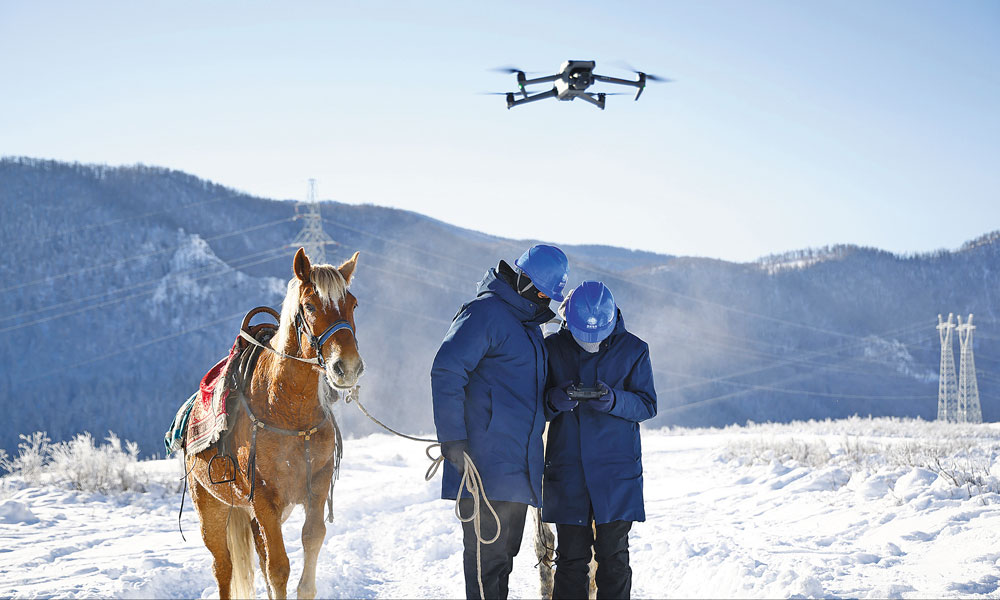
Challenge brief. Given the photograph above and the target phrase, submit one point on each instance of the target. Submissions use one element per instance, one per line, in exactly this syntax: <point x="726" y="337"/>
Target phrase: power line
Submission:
<point x="131" y="218"/>
<point x="202" y="326"/>
<point x="761" y="355"/>
<point x="790" y="361"/>
<point x="712" y="303"/>
<point x="147" y="282"/>
<point x="228" y="269"/>
<point x="141" y="345"/>
<point x="402" y="244"/>
<point x="133" y="257"/>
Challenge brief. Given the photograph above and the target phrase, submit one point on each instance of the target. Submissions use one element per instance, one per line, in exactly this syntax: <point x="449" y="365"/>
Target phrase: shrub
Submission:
<point x="33" y="451"/>
<point x="79" y="463"/>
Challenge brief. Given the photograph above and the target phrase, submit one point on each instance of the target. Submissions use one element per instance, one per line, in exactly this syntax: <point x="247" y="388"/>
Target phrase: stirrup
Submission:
<point x="231" y="471"/>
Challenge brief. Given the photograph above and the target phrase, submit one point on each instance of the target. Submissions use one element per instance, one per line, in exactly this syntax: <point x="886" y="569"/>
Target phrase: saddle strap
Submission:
<point x="252" y="462"/>
<point x="309" y="474"/>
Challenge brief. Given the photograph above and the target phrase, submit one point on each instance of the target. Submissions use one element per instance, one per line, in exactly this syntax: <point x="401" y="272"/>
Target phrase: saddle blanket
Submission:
<point x="173" y="439"/>
<point x="201" y="419"/>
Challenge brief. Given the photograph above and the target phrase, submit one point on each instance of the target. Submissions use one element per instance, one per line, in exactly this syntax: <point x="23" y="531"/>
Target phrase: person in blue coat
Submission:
<point x="592" y="486"/>
<point x="487" y="384"/>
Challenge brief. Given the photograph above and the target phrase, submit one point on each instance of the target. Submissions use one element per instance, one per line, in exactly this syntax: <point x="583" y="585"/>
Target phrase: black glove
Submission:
<point x="607" y="401"/>
<point x="453" y="452"/>
<point x="558" y="399"/>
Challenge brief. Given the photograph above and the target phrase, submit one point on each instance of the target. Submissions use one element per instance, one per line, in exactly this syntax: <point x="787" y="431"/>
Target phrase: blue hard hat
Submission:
<point x="547" y="267"/>
<point x="591" y="312"/>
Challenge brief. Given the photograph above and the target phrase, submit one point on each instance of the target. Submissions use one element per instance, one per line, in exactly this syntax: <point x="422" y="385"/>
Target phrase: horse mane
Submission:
<point x="331" y="287"/>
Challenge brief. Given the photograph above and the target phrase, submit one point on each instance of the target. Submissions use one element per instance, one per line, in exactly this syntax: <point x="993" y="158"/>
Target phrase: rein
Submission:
<point x="471" y="481"/>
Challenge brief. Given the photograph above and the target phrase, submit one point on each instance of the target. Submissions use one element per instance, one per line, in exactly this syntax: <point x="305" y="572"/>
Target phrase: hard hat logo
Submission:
<point x="591" y="312"/>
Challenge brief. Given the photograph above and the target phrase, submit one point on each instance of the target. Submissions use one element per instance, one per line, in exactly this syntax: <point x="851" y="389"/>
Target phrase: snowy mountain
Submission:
<point x="122" y="286"/>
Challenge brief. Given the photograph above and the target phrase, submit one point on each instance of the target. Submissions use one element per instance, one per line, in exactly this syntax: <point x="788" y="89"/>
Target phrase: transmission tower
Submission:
<point x="312" y="237"/>
<point x="947" y="384"/>
<point x="968" y="389"/>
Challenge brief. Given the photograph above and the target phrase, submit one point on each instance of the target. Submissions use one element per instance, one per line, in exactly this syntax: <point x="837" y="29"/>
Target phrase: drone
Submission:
<point x="571" y="82"/>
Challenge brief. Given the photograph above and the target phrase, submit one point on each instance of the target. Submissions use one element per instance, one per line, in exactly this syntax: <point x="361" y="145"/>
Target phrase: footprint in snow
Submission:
<point x="987" y="584"/>
<point x="919" y="536"/>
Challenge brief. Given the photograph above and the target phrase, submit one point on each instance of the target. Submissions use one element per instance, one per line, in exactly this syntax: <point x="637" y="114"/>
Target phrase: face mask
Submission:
<point x="526" y="289"/>
<point x="590" y="347"/>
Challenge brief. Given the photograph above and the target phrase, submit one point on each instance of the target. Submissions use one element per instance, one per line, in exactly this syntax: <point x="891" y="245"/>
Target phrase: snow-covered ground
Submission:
<point x="803" y="510"/>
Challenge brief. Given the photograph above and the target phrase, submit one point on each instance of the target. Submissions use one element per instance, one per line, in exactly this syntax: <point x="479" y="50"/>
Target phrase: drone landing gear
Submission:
<point x="512" y="102"/>
<point x="598" y="101"/>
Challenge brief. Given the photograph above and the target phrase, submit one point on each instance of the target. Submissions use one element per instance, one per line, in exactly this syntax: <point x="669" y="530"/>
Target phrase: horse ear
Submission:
<point x="347" y="269"/>
<point x="301" y="266"/>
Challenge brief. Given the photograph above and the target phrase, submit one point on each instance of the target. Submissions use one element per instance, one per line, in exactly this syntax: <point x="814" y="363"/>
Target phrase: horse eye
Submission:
<point x="310" y="307"/>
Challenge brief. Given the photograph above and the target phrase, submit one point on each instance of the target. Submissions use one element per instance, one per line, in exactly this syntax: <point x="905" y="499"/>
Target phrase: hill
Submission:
<point x="123" y="285"/>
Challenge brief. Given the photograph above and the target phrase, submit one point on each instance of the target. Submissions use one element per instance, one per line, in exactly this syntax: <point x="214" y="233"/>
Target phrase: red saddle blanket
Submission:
<point x="208" y="415"/>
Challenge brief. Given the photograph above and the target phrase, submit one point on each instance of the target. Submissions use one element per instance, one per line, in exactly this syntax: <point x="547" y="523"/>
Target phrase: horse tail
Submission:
<point x="241" y="550"/>
<point x="545" y="552"/>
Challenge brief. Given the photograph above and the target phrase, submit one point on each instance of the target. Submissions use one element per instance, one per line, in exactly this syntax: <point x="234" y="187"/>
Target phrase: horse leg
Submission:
<point x="268" y="519"/>
<point x="212" y="514"/>
<point x="258" y="540"/>
<point x="313" y="535"/>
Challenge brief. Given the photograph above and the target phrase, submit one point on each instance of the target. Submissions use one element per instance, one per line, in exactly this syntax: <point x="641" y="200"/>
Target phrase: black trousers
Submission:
<point x="497" y="559"/>
<point x="576" y="543"/>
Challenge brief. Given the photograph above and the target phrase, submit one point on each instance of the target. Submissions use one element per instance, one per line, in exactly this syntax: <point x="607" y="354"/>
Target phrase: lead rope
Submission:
<point x="471" y="481"/>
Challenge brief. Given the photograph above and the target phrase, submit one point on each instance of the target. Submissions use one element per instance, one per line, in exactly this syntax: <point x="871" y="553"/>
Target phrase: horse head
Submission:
<point x="321" y="309"/>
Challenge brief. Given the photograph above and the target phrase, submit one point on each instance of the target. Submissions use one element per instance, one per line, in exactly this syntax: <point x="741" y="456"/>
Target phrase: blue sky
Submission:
<point x="789" y="125"/>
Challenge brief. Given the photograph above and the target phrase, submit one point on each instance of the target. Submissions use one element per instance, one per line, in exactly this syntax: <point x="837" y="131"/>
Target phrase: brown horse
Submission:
<point x="282" y="396"/>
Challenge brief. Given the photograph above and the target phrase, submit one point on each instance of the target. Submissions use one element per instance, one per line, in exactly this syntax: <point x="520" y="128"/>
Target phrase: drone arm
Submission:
<point x="546" y="79"/>
<point x="549" y="94"/>
<point x="607" y="79"/>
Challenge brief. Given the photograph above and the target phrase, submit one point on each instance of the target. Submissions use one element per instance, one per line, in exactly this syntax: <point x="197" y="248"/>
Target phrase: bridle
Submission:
<point x="302" y="328"/>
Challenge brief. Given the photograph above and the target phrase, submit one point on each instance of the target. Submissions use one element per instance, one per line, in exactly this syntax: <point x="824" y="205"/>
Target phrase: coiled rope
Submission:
<point x="471" y="482"/>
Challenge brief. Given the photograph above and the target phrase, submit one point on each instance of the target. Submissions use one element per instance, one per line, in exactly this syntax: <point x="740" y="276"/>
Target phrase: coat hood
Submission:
<point x="525" y="310"/>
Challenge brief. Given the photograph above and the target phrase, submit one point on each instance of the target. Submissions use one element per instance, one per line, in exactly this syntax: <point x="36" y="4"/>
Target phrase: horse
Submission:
<point x="284" y="440"/>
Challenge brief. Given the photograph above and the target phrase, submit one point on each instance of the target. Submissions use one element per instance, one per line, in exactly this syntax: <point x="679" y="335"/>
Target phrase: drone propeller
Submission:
<point x="507" y="69"/>
<point x="648" y="76"/>
<point x="656" y="78"/>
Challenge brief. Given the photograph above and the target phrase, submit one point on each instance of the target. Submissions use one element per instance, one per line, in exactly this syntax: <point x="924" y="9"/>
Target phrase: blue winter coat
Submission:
<point x="595" y="458"/>
<point x="487" y="383"/>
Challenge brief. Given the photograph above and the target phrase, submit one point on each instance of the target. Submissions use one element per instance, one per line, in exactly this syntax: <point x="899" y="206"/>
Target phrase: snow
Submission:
<point x="721" y="523"/>
<point x="12" y="511"/>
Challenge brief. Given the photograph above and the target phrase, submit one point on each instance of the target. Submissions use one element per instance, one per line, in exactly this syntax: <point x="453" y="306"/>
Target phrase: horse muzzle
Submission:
<point x="344" y="372"/>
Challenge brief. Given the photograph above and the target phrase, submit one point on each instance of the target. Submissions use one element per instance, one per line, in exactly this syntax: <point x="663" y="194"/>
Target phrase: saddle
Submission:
<point x="204" y="417"/>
